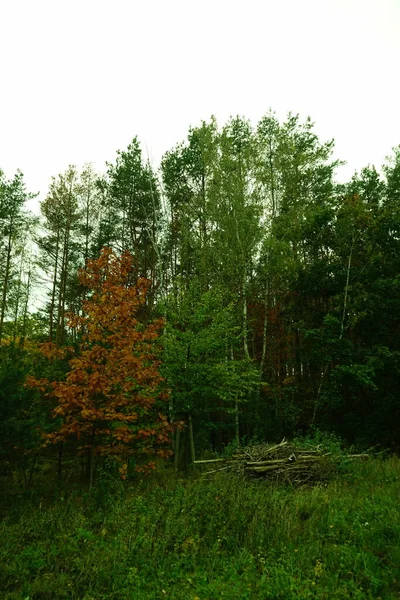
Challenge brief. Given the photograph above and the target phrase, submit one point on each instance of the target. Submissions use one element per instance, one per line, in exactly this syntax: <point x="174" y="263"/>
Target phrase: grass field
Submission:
<point x="196" y="538"/>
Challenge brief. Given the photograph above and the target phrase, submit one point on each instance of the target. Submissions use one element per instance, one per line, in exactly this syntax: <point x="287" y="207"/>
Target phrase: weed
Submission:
<point x="222" y="538"/>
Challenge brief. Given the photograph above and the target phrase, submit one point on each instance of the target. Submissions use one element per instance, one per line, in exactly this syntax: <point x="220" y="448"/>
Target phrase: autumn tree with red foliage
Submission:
<point x="112" y="398"/>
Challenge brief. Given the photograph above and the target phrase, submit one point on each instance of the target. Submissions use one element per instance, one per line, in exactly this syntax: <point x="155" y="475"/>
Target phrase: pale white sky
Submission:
<point x="80" y="78"/>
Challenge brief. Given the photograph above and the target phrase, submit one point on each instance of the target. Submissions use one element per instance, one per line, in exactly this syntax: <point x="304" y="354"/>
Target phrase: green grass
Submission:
<point x="165" y="537"/>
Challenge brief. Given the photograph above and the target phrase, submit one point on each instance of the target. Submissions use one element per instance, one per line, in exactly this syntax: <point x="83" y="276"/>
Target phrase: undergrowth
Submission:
<point x="196" y="538"/>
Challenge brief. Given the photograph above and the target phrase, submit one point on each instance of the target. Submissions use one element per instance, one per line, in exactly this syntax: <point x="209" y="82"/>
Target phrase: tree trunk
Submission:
<point x="25" y="313"/>
<point x="346" y="289"/>
<point x="54" y="289"/>
<point x="245" y="324"/>
<point x="60" y="457"/>
<point x="191" y="440"/>
<point x="237" y="425"/>
<point x="264" y="338"/>
<point x="6" y="282"/>
<point x="271" y="169"/>
<point x="60" y="334"/>
<point x="18" y="298"/>
<point x="91" y="456"/>
<point x="177" y="448"/>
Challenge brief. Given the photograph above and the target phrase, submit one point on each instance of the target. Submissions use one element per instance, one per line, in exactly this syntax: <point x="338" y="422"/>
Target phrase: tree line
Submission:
<point x="276" y="286"/>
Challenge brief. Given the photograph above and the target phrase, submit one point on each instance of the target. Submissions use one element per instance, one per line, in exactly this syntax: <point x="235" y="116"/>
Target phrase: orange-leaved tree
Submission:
<point x="112" y="399"/>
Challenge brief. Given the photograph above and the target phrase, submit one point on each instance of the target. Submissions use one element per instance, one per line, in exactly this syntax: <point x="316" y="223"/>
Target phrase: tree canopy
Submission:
<point x="239" y="292"/>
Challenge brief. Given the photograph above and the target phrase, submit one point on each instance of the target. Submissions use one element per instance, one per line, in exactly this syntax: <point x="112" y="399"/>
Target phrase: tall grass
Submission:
<point x="165" y="537"/>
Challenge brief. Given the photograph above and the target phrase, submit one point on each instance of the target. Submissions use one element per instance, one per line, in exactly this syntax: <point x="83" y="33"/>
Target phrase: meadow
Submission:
<point x="202" y="538"/>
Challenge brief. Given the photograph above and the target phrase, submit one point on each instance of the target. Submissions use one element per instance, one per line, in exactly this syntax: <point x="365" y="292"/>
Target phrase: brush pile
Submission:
<point x="284" y="462"/>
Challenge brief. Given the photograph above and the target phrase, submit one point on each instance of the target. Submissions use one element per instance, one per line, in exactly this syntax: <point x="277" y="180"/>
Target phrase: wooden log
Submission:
<point x="288" y="460"/>
<point x="284" y="465"/>
<point x="216" y="470"/>
<point x="363" y="456"/>
<point x="260" y="463"/>
<point x="211" y="460"/>
<point x="264" y="469"/>
<point x="273" y="448"/>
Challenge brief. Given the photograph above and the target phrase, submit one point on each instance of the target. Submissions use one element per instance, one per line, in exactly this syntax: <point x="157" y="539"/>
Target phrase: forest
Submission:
<point x="235" y="295"/>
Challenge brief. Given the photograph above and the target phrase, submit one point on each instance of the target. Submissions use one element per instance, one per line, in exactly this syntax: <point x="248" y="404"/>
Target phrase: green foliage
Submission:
<point x="200" y="366"/>
<point x="19" y="414"/>
<point x="132" y="208"/>
<point x="280" y="287"/>
<point x="16" y="224"/>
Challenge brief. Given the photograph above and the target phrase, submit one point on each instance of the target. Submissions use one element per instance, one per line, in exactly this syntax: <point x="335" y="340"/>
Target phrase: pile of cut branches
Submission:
<point x="285" y="462"/>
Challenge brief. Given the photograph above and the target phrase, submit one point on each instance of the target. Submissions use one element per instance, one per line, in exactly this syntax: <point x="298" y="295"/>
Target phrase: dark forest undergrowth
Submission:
<point x="197" y="538"/>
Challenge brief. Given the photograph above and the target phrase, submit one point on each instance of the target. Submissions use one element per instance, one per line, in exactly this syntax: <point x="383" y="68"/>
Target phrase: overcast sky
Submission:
<point x="79" y="79"/>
